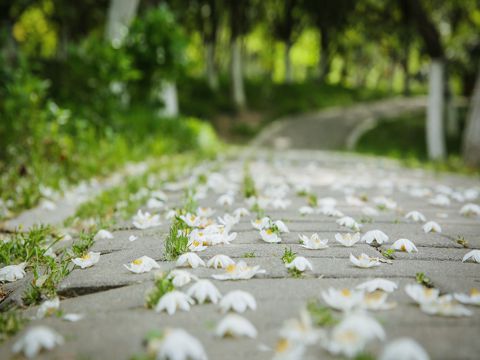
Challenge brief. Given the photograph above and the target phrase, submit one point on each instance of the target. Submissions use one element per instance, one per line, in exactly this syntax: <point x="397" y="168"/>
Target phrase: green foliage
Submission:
<point x="422" y="279"/>
<point x="250" y="254"/>
<point x="176" y="242"/>
<point x="462" y="241"/>
<point x="157" y="46"/>
<point x="288" y="256"/>
<point x="249" y="189"/>
<point x="10" y="323"/>
<point x="389" y="254"/>
<point x="321" y="315"/>
<point x="163" y="284"/>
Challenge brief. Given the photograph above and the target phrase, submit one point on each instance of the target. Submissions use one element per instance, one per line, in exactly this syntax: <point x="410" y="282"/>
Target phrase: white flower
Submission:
<point x="470" y="210"/>
<point x="376" y="300"/>
<point x="473" y="298"/>
<point x="375" y="235"/>
<point x="180" y="277"/>
<point x="239" y="271"/>
<point x="145" y="220"/>
<point x="432" y="226"/>
<point x="404" y="245"/>
<point x="190" y="259"/>
<point x="154" y="203"/>
<point x="226" y="200"/>
<point x="220" y="261"/>
<point x="173" y="300"/>
<point x="415" y="216"/>
<point x="240" y="212"/>
<point x="330" y="211"/>
<point x="385" y="203"/>
<point x="132" y="238"/>
<point x="378" y="284"/>
<point x="142" y="265"/>
<point x="205" y="211"/>
<point x="313" y="242"/>
<point x="87" y="260"/>
<point x="343" y="300"/>
<point x="369" y="211"/>
<point x="270" y="236"/>
<point x="204" y="290"/>
<point x="445" y="306"/>
<point x="72" y="317"/>
<point x="195" y="245"/>
<point x="177" y="344"/>
<point x="300" y="330"/>
<point x="364" y="261"/>
<point x="440" y="200"/>
<point x="289" y="350"/>
<point x="103" y="235"/>
<point x="347" y="239"/>
<point x="48" y="308"/>
<point x="261" y="224"/>
<point x="300" y="264"/>
<point x="191" y="220"/>
<point x="349" y="222"/>
<point x="421" y="294"/>
<point x="228" y="221"/>
<point x="404" y="349"/>
<point x="13" y="272"/>
<point x="238" y="301"/>
<point x="36" y="339"/>
<point x="306" y="210"/>
<point x="281" y="226"/>
<point x="352" y="334"/>
<point x="474" y="255"/>
<point x="236" y="326"/>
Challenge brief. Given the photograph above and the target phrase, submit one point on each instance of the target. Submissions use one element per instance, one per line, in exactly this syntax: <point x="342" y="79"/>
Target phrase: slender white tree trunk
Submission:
<point x="210" y="68"/>
<point x="120" y="15"/>
<point x="168" y="95"/>
<point x="237" y="74"/>
<point x="435" y="134"/>
<point x="471" y="136"/>
<point x="288" y="63"/>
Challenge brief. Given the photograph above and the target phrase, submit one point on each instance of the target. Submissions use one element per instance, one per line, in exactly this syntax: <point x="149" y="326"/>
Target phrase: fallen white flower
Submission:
<point x="364" y="261"/>
<point x="347" y="239"/>
<point x="270" y="236"/>
<point x="190" y="259"/>
<point x="142" y="265"/>
<point x="445" y="306"/>
<point x="177" y="344"/>
<point x="299" y="263"/>
<point x="474" y="255"/>
<point x="404" y="245"/>
<point x="238" y="301"/>
<point x="421" y="294"/>
<point x="375" y="235"/>
<point x="220" y="261"/>
<point x="87" y="260"/>
<point x="12" y="273"/>
<point x="235" y="326"/>
<point x="48" y="308"/>
<point x="432" y="226"/>
<point x="349" y="222"/>
<point x="239" y="271"/>
<point x="415" y="216"/>
<point x="404" y="349"/>
<point x="313" y="242"/>
<point x="72" y="317"/>
<point x="378" y="284"/>
<point x="343" y="300"/>
<point x="103" y="235"/>
<point x="470" y="210"/>
<point x="180" y="277"/>
<point x="204" y="290"/>
<point x="306" y="210"/>
<point x="376" y="300"/>
<point x="132" y="238"/>
<point x="145" y="220"/>
<point x="473" y="298"/>
<point x="36" y="339"/>
<point x="173" y="300"/>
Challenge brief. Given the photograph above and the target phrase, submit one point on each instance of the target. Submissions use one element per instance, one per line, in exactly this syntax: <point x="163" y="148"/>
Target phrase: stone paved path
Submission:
<point x="112" y="299"/>
<point x="335" y="128"/>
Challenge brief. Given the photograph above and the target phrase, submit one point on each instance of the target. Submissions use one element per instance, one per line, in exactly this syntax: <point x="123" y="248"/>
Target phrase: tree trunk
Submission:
<point x="288" y="63"/>
<point x="435" y="134"/>
<point x="168" y="95"/>
<point x="238" y="91"/>
<point x="471" y="135"/>
<point x="324" y="55"/>
<point x="210" y="68"/>
<point x="120" y="15"/>
<point x="452" y="112"/>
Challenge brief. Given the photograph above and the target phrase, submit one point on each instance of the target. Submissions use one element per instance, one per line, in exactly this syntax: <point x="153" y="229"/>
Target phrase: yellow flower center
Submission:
<point x="137" y="261"/>
<point x="200" y="233"/>
<point x="282" y="346"/>
<point x="348" y="336"/>
<point x="474" y="292"/>
<point x="346" y="292"/>
<point x="269" y="231"/>
<point x="85" y="257"/>
<point x="403" y="247"/>
<point x="231" y="268"/>
<point x="196" y="243"/>
<point x="374" y="296"/>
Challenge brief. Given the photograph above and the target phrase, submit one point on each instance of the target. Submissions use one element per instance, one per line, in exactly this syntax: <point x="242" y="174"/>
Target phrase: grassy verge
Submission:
<point x="403" y="138"/>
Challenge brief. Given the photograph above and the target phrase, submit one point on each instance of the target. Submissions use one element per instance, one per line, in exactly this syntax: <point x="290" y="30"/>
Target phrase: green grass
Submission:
<point x="163" y="284"/>
<point x="404" y="138"/>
